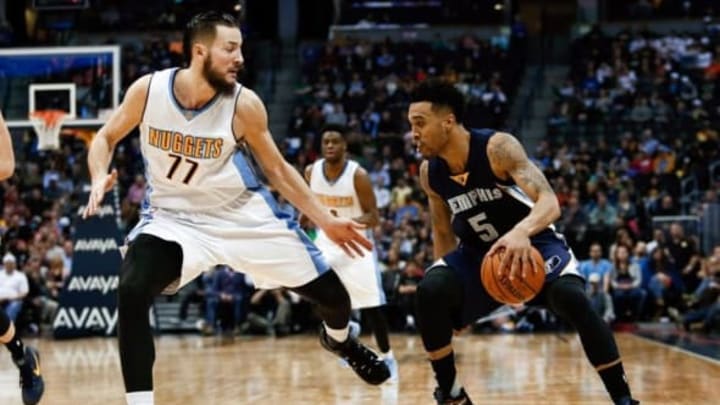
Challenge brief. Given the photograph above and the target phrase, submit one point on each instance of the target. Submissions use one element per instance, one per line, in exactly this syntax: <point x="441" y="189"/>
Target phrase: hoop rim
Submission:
<point x="47" y="125"/>
<point x="51" y="117"/>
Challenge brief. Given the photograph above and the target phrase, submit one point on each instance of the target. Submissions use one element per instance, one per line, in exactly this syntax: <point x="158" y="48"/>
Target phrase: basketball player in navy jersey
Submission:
<point x="485" y="193"/>
<point x="25" y="358"/>
<point x="205" y="205"/>
<point x="344" y="187"/>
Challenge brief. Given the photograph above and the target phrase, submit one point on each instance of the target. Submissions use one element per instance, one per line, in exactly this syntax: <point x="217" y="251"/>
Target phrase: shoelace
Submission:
<point x="357" y="351"/>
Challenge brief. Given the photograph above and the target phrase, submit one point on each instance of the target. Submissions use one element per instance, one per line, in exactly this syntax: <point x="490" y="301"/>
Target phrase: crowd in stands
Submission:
<point x="636" y="120"/>
<point x="612" y="165"/>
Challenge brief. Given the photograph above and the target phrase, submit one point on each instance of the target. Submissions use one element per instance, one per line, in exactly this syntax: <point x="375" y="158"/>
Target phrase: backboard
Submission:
<point x="82" y="81"/>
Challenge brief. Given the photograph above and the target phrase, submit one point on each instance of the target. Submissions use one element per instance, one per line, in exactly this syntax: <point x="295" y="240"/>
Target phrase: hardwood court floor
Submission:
<point x="496" y="369"/>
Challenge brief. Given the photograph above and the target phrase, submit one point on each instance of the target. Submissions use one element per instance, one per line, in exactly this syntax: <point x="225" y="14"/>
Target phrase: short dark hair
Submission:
<point x="441" y="94"/>
<point x="204" y="24"/>
<point x="334" y="128"/>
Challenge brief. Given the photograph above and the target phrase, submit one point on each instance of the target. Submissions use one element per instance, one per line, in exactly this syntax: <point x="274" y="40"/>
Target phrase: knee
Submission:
<point x="568" y="299"/>
<point x="434" y="288"/>
<point x="132" y="291"/>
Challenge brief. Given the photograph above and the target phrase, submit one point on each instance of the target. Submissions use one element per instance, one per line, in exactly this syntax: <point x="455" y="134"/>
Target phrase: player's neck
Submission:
<point x="333" y="170"/>
<point x="456" y="150"/>
<point x="191" y="90"/>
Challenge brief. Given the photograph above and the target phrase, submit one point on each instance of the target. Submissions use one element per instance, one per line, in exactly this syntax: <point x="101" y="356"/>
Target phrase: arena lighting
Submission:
<point x="499" y="6"/>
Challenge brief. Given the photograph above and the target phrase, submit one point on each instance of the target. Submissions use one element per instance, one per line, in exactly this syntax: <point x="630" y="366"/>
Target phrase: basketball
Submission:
<point x="516" y="291"/>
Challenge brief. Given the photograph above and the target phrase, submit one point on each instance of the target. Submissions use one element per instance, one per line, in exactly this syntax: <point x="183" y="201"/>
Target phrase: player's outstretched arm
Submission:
<point x="444" y="240"/>
<point x="7" y="157"/>
<point x="251" y="123"/>
<point x="121" y="122"/>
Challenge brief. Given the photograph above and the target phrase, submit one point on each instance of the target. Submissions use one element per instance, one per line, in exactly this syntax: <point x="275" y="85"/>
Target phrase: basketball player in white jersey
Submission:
<point x="25" y="358"/>
<point x="204" y="204"/>
<point x="345" y="189"/>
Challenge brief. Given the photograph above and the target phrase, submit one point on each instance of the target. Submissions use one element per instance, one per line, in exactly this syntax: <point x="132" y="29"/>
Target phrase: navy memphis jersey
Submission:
<point x="484" y="208"/>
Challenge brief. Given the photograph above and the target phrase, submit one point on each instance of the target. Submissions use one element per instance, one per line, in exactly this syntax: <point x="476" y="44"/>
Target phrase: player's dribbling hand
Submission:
<point x="344" y="232"/>
<point x="517" y="254"/>
<point x="97" y="192"/>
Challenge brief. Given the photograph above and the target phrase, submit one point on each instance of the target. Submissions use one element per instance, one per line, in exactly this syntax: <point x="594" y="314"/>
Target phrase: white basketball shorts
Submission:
<point x="250" y="235"/>
<point x="361" y="275"/>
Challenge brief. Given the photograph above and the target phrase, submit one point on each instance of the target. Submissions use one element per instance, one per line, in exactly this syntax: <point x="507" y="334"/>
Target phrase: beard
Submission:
<point x="216" y="79"/>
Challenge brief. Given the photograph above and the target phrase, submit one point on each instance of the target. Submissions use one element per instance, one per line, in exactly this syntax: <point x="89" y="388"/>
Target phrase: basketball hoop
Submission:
<point x="47" y="125"/>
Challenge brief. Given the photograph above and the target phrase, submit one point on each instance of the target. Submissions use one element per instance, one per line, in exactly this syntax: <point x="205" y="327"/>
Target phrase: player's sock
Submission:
<point x="615" y="381"/>
<point x="16" y="348"/>
<point x="338" y="335"/>
<point x="139" y="398"/>
<point x="14" y="344"/>
<point x="445" y="373"/>
<point x="388" y="355"/>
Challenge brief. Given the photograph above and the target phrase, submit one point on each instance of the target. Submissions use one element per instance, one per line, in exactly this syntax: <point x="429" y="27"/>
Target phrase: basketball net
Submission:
<point x="47" y="125"/>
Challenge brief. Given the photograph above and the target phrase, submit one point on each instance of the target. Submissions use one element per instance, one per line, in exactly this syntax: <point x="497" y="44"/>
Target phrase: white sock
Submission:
<point x="388" y="354"/>
<point x="338" y="335"/>
<point x="139" y="398"/>
<point x="456" y="388"/>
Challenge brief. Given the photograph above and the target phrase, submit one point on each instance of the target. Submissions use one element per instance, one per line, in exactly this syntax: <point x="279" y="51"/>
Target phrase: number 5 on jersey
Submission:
<point x="486" y="232"/>
<point x="193" y="167"/>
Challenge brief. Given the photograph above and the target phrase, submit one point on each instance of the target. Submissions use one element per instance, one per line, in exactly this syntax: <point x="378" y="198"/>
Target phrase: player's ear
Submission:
<point x="199" y="49"/>
<point x="449" y="121"/>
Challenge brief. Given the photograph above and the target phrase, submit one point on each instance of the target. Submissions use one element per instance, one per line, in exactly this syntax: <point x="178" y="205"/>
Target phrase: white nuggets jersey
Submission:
<point x="360" y="275"/>
<point x="203" y="195"/>
<point x="190" y="157"/>
<point x="339" y="195"/>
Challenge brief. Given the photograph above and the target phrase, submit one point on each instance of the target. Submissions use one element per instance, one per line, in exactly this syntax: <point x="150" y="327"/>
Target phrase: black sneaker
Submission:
<point x="446" y="399"/>
<point x="362" y="360"/>
<point x="627" y="401"/>
<point x="31" y="381"/>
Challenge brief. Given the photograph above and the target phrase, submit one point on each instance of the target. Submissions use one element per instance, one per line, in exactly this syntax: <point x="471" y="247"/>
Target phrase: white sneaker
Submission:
<point x="392" y="365"/>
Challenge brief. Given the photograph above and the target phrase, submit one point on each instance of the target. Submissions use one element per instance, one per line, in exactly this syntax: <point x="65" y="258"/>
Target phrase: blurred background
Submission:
<point x="618" y="101"/>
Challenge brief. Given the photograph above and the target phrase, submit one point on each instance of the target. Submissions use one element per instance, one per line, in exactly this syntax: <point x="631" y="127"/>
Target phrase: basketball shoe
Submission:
<point x="361" y="359"/>
<point x="31" y="381"/>
<point x="393" y="367"/>
<point x="446" y="399"/>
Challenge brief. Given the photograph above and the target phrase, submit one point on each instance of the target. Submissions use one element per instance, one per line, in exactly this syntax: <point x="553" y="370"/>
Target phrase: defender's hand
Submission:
<point x="345" y="233"/>
<point x="99" y="188"/>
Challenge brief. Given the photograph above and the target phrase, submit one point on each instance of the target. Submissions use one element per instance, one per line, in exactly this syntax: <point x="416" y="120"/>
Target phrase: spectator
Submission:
<point x="685" y="255"/>
<point x="13" y="287"/>
<point x="665" y="285"/>
<point x="225" y="302"/>
<point x="596" y="264"/>
<point x="599" y="299"/>
<point x="625" y="279"/>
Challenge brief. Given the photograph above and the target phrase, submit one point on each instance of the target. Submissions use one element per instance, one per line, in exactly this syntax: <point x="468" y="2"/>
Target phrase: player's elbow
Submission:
<point x="554" y="209"/>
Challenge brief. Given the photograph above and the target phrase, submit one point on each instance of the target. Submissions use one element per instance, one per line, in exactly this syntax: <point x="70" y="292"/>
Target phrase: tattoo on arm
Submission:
<point x="508" y="159"/>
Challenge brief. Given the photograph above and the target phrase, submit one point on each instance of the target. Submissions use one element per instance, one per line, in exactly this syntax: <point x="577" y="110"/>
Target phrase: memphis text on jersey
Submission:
<point x="191" y="146"/>
<point x="465" y="201"/>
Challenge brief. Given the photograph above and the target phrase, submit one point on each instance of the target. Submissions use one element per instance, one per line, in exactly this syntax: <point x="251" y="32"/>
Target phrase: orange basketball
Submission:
<point x="516" y="291"/>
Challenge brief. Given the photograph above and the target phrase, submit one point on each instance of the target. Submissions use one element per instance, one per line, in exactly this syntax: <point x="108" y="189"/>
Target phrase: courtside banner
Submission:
<point x="88" y="303"/>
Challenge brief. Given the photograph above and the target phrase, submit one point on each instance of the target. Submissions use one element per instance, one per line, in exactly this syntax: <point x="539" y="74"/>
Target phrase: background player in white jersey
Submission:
<point x="345" y="189"/>
<point x="25" y="358"/>
<point x="204" y="204"/>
